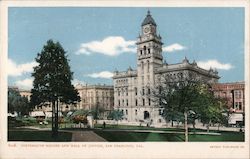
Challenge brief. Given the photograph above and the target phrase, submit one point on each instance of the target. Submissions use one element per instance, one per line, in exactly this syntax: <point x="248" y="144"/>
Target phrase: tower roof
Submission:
<point x="148" y="20"/>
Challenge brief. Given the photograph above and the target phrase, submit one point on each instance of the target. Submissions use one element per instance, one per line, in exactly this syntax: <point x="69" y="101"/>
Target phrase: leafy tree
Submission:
<point x="97" y="111"/>
<point x="212" y="109"/>
<point x="116" y="115"/>
<point x="52" y="80"/>
<point x="185" y="96"/>
<point x="17" y="103"/>
<point x="178" y="95"/>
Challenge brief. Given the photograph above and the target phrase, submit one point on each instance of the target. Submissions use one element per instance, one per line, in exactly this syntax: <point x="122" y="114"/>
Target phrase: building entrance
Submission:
<point x="146" y="114"/>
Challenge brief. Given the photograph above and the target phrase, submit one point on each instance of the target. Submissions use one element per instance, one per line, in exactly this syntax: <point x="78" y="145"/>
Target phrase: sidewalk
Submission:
<point x="86" y="136"/>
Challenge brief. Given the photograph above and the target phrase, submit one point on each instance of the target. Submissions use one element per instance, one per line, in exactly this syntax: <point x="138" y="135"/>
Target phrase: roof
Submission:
<point x="148" y="20"/>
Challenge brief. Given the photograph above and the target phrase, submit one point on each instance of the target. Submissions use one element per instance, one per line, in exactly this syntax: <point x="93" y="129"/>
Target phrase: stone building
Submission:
<point x="234" y="94"/>
<point x="95" y="97"/>
<point x="131" y="86"/>
<point x="92" y="97"/>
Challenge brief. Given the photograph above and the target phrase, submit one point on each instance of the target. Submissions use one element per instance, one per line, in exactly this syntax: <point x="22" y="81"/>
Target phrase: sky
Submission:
<point x="99" y="40"/>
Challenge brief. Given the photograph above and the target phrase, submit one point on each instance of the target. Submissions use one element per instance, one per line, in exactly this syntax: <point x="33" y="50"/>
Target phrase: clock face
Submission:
<point x="146" y="29"/>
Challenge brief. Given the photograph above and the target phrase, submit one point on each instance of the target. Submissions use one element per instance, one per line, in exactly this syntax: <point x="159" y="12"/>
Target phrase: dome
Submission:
<point x="148" y="20"/>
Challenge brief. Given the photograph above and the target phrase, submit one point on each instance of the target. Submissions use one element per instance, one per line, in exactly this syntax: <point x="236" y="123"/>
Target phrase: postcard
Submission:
<point x="124" y="79"/>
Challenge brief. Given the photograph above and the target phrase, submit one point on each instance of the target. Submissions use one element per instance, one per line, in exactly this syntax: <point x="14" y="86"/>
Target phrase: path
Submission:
<point x="86" y="136"/>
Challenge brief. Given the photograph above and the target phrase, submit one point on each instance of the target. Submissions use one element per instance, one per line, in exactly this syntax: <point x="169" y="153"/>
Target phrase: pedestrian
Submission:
<point x="104" y="125"/>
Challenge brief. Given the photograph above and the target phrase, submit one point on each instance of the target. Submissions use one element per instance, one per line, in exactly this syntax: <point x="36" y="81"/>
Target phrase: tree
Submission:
<point x="52" y="80"/>
<point x="178" y="95"/>
<point x="116" y="115"/>
<point x="212" y="109"/>
<point x="185" y="96"/>
<point x="17" y="103"/>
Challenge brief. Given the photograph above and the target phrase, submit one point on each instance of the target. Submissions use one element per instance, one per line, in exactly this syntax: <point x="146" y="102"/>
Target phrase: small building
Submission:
<point x="234" y="94"/>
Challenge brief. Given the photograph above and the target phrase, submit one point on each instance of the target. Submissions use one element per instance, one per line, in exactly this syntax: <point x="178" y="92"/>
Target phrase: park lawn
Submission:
<point x="224" y="137"/>
<point x="131" y="127"/>
<point x="124" y="136"/>
<point x="34" y="135"/>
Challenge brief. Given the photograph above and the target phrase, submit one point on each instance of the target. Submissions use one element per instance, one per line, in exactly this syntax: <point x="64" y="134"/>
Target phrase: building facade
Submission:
<point x="96" y="97"/>
<point x="92" y="97"/>
<point x="234" y="94"/>
<point x="131" y="87"/>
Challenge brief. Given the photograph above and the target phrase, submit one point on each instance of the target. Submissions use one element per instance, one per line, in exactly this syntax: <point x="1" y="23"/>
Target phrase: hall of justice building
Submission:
<point x="131" y="87"/>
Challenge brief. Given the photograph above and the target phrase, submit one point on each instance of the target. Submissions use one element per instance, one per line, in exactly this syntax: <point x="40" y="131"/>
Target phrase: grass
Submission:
<point x="130" y="127"/>
<point x="34" y="135"/>
<point x="124" y="136"/>
<point x="225" y="136"/>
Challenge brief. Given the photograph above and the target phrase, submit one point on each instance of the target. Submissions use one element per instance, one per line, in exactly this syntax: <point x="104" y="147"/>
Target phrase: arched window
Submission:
<point x="148" y="51"/>
<point x="135" y="112"/>
<point x="149" y="101"/>
<point x="136" y="103"/>
<point x="126" y="112"/>
<point x="141" y="52"/>
<point x="142" y="66"/>
<point x="119" y="103"/>
<point x="143" y="101"/>
<point x="135" y="91"/>
<point x="144" y="49"/>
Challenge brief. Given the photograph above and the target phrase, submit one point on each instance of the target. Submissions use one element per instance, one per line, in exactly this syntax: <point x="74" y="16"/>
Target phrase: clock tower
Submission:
<point x="149" y="51"/>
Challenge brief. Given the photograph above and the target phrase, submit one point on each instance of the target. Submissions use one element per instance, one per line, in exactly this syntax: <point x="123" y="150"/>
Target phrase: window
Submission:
<point x="149" y="51"/>
<point x="126" y="112"/>
<point x="126" y="91"/>
<point x="142" y="65"/>
<point x="126" y="102"/>
<point x="240" y="105"/>
<point x="143" y="91"/>
<point x="135" y="91"/>
<point x="119" y="103"/>
<point x="141" y="52"/>
<point x="149" y="91"/>
<point x="144" y="49"/>
<point x="135" y="112"/>
<point x="143" y="101"/>
<point x="149" y="101"/>
<point x="159" y="111"/>
<point x="123" y="102"/>
<point x="237" y="94"/>
<point x="136" y="103"/>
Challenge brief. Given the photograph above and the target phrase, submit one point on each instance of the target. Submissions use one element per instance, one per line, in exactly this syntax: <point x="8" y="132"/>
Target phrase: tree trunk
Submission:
<point x="186" y="127"/>
<point x="54" y="119"/>
<point x="208" y="126"/>
<point x="194" y="127"/>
